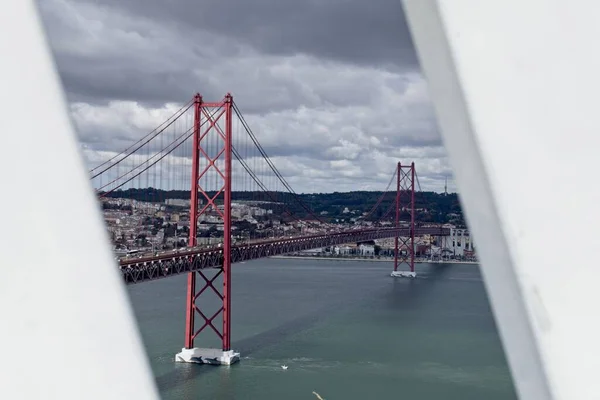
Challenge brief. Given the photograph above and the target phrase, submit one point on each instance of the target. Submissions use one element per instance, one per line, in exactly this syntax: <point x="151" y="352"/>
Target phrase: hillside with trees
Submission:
<point x="334" y="207"/>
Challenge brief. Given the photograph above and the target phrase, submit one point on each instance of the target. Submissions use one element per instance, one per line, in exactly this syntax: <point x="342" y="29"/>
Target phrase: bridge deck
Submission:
<point x="164" y="265"/>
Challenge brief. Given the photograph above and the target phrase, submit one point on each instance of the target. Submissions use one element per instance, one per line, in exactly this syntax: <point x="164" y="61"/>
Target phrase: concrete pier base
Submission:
<point x="403" y="274"/>
<point x="207" y="356"/>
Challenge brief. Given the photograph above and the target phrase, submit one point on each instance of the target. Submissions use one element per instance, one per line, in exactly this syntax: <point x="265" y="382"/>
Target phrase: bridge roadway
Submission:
<point x="164" y="265"/>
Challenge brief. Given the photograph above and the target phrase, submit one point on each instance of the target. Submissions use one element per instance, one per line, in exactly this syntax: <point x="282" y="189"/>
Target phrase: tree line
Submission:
<point x="431" y="206"/>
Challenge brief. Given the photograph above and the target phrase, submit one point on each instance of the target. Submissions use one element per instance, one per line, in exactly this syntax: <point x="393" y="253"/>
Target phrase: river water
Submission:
<point x="345" y="329"/>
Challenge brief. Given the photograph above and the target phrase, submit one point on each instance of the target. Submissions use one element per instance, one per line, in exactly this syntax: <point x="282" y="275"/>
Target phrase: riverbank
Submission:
<point x="373" y="260"/>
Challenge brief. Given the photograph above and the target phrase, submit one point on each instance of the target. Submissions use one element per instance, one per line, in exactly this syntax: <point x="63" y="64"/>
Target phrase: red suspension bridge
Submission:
<point x="241" y="207"/>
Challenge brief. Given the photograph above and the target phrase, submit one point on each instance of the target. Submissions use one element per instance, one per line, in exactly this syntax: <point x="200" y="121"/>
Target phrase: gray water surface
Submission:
<point x="346" y="329"/>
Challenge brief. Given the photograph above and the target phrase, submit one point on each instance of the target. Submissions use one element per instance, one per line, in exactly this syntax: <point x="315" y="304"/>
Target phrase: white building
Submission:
<point x="342" y="250"/>
<point x="366" y="250"/>
<point x="457" y="243"/>
<point x="179" y="202"/>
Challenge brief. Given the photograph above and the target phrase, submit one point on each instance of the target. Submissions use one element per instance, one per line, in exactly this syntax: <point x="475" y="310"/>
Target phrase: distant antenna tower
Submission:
<point x="446" y="187"/>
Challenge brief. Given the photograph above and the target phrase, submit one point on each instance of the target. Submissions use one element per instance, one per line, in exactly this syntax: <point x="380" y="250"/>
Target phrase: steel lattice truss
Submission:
<point x="405" y="202"/>
<point x="166" y="265"/>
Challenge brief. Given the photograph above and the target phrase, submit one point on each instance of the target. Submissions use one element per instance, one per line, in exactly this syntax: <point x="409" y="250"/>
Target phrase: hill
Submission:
<point x="340" y="206"/>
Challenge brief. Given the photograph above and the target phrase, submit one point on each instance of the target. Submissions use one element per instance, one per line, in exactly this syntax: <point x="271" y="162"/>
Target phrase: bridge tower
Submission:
<point x="404" y="247"/>
<point x="211" y="152"/>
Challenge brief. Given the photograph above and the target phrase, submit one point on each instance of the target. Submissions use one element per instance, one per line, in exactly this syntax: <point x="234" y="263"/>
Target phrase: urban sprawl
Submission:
<point x="138" y="227"/>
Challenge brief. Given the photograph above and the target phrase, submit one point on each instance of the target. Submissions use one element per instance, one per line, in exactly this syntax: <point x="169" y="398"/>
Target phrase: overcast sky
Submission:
<point x="296" y="68"/>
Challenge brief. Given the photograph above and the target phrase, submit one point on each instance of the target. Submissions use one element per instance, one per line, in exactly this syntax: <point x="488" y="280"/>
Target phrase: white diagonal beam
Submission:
<point x="68" y="331"/>
<point x="515" y="85"/>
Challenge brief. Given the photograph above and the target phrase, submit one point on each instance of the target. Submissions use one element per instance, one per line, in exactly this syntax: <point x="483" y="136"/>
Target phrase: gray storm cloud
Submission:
<point x="332" y="89"/>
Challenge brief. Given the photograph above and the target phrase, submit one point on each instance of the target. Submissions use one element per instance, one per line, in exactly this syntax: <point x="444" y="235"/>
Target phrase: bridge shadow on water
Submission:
<point x="405" y="293"/>
<point x="412" y="292"/>
<point x="179" y="376"/>
<point x="183" y="373"/>
<point x="279" y="334"/>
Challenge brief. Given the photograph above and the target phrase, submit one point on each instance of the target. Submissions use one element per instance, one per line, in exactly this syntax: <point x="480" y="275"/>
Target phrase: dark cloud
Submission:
<point x="331" y="88"/>
<point x="158" y="51"/>
<point x="357" y="31"/>
<point x="99" y="84"/>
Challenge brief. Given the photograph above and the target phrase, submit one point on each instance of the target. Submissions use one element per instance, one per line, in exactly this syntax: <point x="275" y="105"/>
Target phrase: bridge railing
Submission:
<point x="175" y="263"/>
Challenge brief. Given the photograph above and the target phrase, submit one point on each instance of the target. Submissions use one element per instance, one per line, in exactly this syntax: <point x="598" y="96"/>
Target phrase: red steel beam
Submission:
<point x="212" y="113"/>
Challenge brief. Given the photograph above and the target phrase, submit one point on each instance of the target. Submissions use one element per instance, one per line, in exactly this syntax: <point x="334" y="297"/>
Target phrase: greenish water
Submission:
<point x="347" y="330"/>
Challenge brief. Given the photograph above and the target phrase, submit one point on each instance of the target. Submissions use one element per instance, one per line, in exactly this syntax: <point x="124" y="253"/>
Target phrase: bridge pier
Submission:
<point x="207" y="356"/>
<point x="404" y="274"/>
<point x="405" y="201"/>
<point x="219" y="127"/>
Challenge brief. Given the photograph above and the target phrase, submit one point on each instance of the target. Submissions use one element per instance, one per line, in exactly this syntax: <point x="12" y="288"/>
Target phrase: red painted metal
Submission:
<point x="412" y="217"/>
<point x="404" y="247"/>
<point x="177" y="262"/>
<point x="208" y="321"/>
<point x="191" y="283"/>
<point x="397" y="225"/>
<point x="227" y="227"/>
<point x="208" y="118"/>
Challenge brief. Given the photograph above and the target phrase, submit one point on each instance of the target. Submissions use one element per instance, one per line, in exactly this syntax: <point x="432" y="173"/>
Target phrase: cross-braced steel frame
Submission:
<point x="213" y="115"/>
<point x="404" y="246"/>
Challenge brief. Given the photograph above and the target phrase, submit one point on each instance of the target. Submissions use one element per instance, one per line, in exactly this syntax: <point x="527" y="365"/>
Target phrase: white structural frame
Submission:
<point x="67" y="328"/>
<point x="515" y="87"/>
